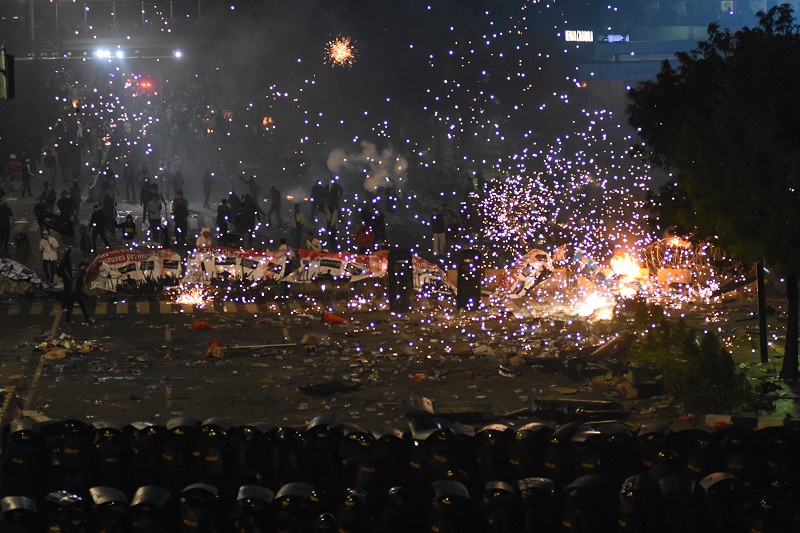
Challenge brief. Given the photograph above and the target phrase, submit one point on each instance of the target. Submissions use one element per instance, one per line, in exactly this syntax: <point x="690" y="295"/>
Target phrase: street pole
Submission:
<point x="762" y="312"/>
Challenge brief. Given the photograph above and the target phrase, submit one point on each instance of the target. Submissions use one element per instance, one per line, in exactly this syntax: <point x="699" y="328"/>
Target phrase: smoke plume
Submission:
<point x="380" y="169"/>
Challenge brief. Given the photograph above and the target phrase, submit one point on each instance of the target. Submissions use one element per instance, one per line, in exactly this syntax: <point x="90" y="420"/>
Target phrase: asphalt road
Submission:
<point x="152" y="364"/>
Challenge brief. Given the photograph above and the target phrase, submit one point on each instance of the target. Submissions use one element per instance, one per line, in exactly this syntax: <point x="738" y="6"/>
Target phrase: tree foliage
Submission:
<point x="697" y="371"/>
<point x="726" y="120"/>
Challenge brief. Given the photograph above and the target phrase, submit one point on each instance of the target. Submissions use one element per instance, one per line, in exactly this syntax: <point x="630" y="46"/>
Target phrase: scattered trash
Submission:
<point x="411" y="406"/>
<point x="578" y="409"/>
<point x="201" y="325"/>
<point x="53" y="348"/>
<point x="330" y="318"/>
<point x="213" y="346"/>
<point x="310" y="340"/>
<point x="219" y="350"/>
<point x="509" y="371"/>
<point x="330" y="387"/>
<point x="58" y="353"/>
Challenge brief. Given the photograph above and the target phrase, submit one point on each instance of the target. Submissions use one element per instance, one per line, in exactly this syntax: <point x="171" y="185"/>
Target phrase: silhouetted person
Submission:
<point x="99" y="223"/>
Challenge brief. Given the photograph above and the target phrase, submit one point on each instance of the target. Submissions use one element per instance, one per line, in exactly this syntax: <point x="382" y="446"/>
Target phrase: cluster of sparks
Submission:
<point x="568" y="182"/>
<point x="340" y="51"/>
<point x="579" y="191"/>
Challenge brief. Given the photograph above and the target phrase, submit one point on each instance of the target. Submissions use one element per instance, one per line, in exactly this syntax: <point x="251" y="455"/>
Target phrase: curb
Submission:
<point x="751" y="422"/>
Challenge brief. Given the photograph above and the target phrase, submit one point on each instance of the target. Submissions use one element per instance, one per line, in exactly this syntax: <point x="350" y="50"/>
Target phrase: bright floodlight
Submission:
<point x="103" y="54"/>
<point x="120" y="54"/>
<point x="178" y="53"/>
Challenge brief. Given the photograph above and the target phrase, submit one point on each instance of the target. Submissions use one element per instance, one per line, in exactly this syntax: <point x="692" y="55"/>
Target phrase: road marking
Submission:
<point x="35" y="381"/>
<point x="286" y="336"/>
<point x="146" y="307"/>
<point x="10" y="394"/>
<point x="168" y="333"/>
<point x="56" y="320"/>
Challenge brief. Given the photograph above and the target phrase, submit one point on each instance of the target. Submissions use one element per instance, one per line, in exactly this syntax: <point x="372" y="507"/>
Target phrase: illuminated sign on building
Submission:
<point x="579" y="36"/>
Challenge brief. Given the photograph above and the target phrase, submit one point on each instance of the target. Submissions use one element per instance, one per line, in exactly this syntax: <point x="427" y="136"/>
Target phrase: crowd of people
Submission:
<point x="112" y="146"/>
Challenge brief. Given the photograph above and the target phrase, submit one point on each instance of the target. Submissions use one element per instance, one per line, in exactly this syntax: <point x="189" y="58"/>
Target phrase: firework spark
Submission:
<point x="340" y="52"/>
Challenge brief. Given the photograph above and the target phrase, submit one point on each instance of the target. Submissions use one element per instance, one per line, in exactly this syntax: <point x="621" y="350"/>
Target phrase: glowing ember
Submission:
<point x="340" y="52"/>
<point x="626" y="267"/>
<point x="597" y="306"/>
<point x="194" y="295"/>
<point x="267" y="121"/>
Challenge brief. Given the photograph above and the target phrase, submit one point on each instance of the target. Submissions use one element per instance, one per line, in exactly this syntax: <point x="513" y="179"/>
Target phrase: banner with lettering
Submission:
<point x="211" y="263"/>
<point x="317" y="266"/>
<point x="116" y="267"/>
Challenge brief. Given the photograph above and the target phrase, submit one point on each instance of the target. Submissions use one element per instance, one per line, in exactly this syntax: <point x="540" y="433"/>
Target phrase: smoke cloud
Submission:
<point x="380" y="169"/>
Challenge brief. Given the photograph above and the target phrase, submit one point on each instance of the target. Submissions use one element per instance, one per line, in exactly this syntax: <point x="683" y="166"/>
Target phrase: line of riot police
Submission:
<point x="436" y="476"/>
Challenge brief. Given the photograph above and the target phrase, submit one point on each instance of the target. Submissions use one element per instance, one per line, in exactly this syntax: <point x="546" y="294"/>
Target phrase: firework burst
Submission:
<point x="340" y="52"/>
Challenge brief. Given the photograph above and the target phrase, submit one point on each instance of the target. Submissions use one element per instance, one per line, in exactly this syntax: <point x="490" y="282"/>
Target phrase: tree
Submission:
<point x="726" y="120"/>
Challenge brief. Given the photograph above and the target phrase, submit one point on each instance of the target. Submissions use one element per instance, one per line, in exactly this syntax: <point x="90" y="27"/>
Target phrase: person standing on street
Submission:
<point x="39" y="211"/>
<point x="250" y="214"/>
<point x="48" y="246"/>
<point x="438" y="228"/>
<point x="275" y="206"/>
<point x="13" y="170"/>
<point x="129" y="181"/>
<point x="153" y="210"/>
<point x="178" y="182"/>
<point x="49" y="195"/>
<point x="312" y="243"/>
<point x="208" y="184"/>
<point x="331" y="227"/>
<point x="50" y="164"/>
<point x="66" y="208"/>
<point x="73" y="288"/>
<point x="255" y="190"/>
<point x="144" y="196"/>
<point x="299" y="222"/>
<point x="110" y="211"/>
<point x="75" y="195"/>
<point x="318" y="199"/>
<point x="180" y="211"/>
<point x="26" y="178"/>
<point x="223" y="216"/>
<point x="335" y="193"/>
<point x="99" y="223"/>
